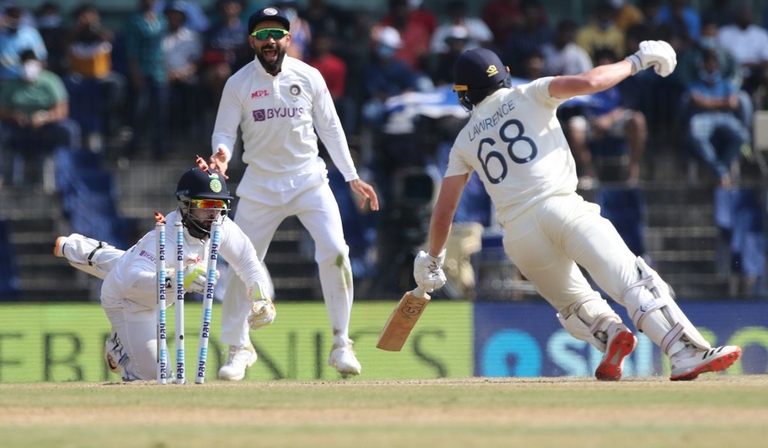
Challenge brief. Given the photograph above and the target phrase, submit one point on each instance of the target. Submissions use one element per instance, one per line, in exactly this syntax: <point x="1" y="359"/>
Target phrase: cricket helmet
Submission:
<point x="199" y="184"/>
<point x="476" y="73"/>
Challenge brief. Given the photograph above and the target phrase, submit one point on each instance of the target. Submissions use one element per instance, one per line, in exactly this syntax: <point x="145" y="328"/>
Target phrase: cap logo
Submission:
<point x="215" y="184"/>
<point x="270" y="12"/>
<point x="492" y="70"/>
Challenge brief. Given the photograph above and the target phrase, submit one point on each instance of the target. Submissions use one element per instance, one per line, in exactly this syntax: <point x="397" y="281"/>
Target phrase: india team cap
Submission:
<point x="268" y="13"/>
<point x="478" y="68"/>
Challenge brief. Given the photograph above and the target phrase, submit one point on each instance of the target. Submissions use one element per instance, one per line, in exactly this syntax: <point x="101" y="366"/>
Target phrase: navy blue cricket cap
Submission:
<point x="268" y="13"/>
<point x="478" y="68"/>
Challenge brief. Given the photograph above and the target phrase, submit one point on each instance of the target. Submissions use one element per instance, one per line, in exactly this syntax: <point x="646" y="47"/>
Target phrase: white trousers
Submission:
<point x="137" y="332"/>
<point x="318" y="211"/>
<point x="547" y="241"/>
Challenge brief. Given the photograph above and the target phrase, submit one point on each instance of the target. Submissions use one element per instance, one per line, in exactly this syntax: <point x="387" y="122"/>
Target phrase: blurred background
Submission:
<point x="676" y="164"/>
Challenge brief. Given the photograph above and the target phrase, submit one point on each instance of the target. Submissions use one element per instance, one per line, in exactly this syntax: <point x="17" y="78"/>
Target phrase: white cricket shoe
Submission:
<point x="691" y="362"/>
<point x="344" y="360"/>
<point x="621" y="342"/>
<point x="239" y="359"/>
<point x="109" y="353"/>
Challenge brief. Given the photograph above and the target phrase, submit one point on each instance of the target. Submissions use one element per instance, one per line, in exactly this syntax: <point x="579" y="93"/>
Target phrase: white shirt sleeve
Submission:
<point x="328" y="127"/>
<point x="538" y="91"/>
<point x="227" y="119"/>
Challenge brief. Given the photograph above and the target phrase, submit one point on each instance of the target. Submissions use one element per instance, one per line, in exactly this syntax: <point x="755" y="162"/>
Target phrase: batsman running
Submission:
<point x="129" y="291"/>
<point x="515" y="143"/>
<point x="282" y="106"/>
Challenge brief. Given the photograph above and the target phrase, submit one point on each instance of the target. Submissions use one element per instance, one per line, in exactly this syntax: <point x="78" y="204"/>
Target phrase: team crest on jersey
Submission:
<point x="294" y="90"/>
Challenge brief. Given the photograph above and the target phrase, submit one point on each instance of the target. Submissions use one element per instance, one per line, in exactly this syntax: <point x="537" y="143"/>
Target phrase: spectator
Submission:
<point x="478" y="33"/>
<point x="627" y="14"/>
<point x="608" y="141"/>
<point x="330" y="19"/>
<point x="196" y="18"/>
<point x="691" y="63"/>
<point x="334" y="71"/>
<point x="386" y="76"/>
<point x="685" y="22"/>
<point x="415" y="34"/>
<point x="226" y="48"/>
<point x="529" y="38"/>
<point x="713" y="101"/>
<point x="34" y="112"/>
<point x="415" y="12"/>
<point x="563" y="56"/>
<point x="533" y="65"/>
<point x="503" y="17"/>
<point x="749" y="44"/>
<point x="720" y="12"/>
<point x="301" y="34"/>
<point x="144" y="32"/>
<point x="601" y="33"/>
<point x="49" y="25"/>
<point x="16" y="37"/>
<point x="182" y="49"/>
<point x="96" y="91"/>
<point x="456" y="42"/>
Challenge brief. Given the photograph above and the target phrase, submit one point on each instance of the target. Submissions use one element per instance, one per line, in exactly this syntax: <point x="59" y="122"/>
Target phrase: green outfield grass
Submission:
<point x="713" y="411"/>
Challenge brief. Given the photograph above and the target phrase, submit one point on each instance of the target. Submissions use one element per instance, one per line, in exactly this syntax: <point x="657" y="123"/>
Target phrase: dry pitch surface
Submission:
<point x="713" y="411"/>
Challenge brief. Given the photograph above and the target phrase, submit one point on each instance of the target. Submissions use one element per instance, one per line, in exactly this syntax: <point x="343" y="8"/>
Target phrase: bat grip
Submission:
<point x="418" y="292"/>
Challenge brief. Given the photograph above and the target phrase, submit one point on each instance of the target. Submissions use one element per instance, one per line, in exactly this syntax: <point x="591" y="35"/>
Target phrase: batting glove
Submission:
<point x="428" y="271"/>
<point x="195" y="278"/>
<point x="263" y="310"/>
<point x="654" y="53"/>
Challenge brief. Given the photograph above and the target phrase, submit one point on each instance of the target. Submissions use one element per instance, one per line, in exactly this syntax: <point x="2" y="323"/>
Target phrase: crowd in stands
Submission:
<point x="150" y="88"/>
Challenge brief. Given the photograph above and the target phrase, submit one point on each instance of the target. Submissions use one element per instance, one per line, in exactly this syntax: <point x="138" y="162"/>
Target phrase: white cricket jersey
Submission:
<point x="132" y="283"/>
<point x="515" y="143"/>
<point x="278" y="116"/>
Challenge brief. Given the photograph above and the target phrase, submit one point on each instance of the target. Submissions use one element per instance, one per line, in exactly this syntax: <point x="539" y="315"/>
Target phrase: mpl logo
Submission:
<point x="259" y="94"/>
<point x="279" y="112"/>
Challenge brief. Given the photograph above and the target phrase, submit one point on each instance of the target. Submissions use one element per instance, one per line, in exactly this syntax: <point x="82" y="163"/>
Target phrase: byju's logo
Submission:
<point x="280" y="112"/>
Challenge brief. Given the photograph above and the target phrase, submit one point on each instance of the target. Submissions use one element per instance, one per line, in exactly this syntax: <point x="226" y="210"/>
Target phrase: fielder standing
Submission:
<point x="279" y="103"/>
<point x="129" y="291"/>
<point x="515" y="143"/>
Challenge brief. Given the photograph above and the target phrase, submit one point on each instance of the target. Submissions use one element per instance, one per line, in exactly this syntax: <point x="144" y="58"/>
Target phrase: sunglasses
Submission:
<point x="208" y="204"/>
<point x="276" y="33"/>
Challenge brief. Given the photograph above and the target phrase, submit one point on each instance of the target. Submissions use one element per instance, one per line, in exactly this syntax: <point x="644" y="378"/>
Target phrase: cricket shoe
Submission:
<point x="240" y="358"/>
<point x="344" y="360"/>
<point x="691" y="362"/>
<point x="620" y="344"/>
<point x="117" y="359"/>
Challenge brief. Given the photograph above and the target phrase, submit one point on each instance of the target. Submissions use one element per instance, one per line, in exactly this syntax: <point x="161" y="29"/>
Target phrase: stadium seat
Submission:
<point x="9" y="278"/>
<point x="624" y="207"/>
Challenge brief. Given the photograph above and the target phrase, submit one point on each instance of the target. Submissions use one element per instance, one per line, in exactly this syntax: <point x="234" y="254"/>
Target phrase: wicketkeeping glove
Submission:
<point x="428" y="271"/>
<point x="263" y="310"/>
<point x="195" y="278"/>
<point x="654" y="53"/>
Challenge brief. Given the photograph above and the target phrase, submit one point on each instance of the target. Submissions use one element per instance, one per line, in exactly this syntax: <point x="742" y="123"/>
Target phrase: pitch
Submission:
<point x="713" y="411"/>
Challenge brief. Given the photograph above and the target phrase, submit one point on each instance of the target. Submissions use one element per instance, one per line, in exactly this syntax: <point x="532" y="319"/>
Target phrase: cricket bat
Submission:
<point x="402" y="320"/>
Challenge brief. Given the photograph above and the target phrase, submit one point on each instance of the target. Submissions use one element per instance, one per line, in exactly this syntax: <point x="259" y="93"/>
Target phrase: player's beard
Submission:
<point x="271" y="67"/>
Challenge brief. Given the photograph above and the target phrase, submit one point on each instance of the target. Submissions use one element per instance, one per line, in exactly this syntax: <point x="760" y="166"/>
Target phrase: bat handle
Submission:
<point x="419" y="292"/>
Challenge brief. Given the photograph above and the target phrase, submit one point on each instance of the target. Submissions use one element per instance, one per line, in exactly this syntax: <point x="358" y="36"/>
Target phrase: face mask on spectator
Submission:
<point x="30" y="70"/>
<point x="385" y="51"/>
<point x="708" y="43"/>
<point x="604" y="25"/>
<point x="710" y="78"/>
<point x="51" y="21"/>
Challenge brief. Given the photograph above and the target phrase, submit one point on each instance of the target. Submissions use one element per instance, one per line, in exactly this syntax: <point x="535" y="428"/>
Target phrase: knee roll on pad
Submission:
<point x="588" y="319"/>
<point x="654" y="312"/>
